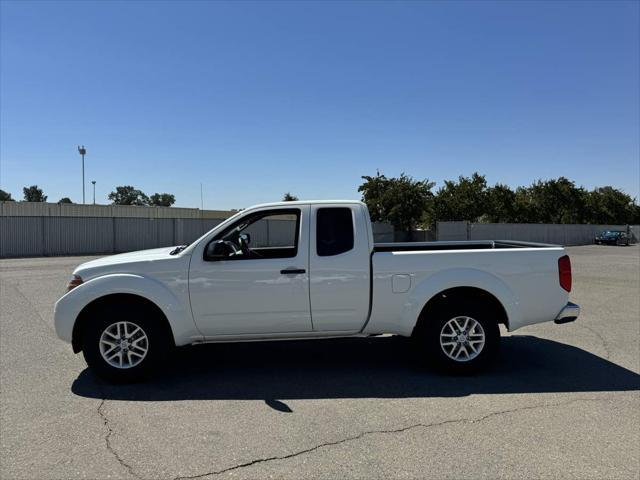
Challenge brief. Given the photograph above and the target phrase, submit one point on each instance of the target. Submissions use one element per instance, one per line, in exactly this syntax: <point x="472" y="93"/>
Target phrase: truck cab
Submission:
<point x="266" y="272"/>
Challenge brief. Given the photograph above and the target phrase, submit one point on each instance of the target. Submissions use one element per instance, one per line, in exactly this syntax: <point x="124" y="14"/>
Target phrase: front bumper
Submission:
<point x="63" y="320"/>
<point x="569" y="313"/>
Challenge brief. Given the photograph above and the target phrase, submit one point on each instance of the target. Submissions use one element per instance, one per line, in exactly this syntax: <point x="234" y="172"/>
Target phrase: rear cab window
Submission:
<point x="334" y="231"/>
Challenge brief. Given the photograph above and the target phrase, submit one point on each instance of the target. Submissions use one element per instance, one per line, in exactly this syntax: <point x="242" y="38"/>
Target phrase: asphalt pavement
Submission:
<point x="563" y="401"/>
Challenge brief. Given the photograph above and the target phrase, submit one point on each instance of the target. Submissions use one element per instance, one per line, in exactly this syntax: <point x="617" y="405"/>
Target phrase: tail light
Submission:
<point x="564" y="272"/>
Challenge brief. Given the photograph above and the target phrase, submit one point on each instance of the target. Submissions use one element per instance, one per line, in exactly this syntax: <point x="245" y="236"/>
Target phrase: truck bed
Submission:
<point x="457" y="245"/>
<point x="518" y="274"/>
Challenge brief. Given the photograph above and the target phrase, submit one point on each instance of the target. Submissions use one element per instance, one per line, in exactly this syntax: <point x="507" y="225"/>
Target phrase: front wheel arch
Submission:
<point x="107" y="301"/>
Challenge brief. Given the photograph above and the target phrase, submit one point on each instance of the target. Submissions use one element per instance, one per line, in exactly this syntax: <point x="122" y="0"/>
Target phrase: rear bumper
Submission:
<point x="569" y="313"/>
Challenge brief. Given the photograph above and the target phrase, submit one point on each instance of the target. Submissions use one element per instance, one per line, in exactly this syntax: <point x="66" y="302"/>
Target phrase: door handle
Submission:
<point x="292" y="271"/>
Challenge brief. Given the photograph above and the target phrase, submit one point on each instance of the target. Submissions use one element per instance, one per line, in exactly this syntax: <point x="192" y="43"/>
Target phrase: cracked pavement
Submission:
<point x="562" y="402"/>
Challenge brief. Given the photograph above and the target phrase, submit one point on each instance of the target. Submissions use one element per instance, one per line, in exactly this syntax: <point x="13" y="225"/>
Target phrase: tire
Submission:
<point x="99" y="338"/>
<point x="441" y="324"/>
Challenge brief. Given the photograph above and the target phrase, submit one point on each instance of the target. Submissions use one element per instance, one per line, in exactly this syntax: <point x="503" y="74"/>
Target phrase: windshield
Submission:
<point x="610" y="234"/>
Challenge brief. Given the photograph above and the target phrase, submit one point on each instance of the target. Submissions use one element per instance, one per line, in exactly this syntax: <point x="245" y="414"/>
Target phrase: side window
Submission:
<point x="272" y="231"/>
<point x="267" y="234"/>
<point x="334" y="231"/>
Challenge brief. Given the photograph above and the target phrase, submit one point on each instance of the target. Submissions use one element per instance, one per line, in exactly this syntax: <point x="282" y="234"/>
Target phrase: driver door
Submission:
<point x="260" y="290"/>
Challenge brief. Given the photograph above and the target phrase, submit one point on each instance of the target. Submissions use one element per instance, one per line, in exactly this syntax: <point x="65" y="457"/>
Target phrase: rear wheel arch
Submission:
<point x="452" y="296"/>
<point x="458" y="330"/>
<point x="109" y="301"/>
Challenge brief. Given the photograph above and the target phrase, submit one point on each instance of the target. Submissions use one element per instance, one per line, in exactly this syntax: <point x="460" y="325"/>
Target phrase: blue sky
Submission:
<point x="255" y="99"/>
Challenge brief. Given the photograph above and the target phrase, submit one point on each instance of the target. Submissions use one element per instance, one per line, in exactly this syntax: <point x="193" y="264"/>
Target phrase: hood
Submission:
<point x="115" y="262"/>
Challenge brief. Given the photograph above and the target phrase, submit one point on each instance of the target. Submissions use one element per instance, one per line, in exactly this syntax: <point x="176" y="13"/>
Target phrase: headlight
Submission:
<point x="74" y="281"/>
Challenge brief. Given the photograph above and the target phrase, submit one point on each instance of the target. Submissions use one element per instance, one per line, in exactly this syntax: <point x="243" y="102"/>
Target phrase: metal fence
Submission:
<point x="51" y="236"/>
<point x="560" y="234"/>
<point x="48" y="236"/>
<point x="44" y="209"/>
<point x="46" y="229"/>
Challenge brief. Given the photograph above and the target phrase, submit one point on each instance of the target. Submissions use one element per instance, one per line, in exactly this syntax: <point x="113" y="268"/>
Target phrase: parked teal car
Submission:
<point x="612" y="237"/>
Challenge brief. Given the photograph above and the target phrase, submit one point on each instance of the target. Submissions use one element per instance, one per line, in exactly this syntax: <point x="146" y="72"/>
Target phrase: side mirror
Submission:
<point x="246" y="238"/>
<point x="218" y="250"/>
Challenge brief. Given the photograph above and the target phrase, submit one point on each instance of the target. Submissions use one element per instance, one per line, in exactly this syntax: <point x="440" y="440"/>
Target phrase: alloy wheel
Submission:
<point x="462" y="338"/>
<point x="123" y="344"/>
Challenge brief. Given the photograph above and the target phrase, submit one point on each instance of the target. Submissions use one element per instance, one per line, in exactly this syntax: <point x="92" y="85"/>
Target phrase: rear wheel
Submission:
<point x="460" y="339"/>
<point x="124" y="343"/>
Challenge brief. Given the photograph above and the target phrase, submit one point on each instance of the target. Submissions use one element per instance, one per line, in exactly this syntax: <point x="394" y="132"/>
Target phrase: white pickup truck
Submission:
<point x="303" y="270"/>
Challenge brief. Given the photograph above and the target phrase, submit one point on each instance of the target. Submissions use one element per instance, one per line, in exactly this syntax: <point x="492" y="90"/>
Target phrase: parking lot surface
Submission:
<point x="563" y="400"/>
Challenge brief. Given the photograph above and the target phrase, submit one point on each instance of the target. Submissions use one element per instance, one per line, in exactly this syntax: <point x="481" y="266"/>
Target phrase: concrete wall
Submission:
<point x="530" y="232"/>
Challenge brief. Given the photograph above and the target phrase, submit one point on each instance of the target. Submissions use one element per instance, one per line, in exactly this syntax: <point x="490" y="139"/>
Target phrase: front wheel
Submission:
<point x="461" y="340"/>
<point x="124" y="346"/>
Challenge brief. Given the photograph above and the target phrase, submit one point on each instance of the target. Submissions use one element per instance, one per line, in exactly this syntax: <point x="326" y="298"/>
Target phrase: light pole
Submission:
<point x="82" y="152"/>
<point x="94" y="191"/>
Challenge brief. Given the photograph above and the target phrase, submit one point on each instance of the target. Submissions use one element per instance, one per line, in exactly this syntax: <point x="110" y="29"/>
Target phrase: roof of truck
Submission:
<point x="307" y="202"/>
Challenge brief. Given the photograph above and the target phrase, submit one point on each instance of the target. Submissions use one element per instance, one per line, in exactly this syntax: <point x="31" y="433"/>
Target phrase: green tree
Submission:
<point x="403" y="201"/>
<point x="610" y="205"/>
<point x="5" y="196"/>
<point x="466" y="199"/>
<point x="128" y="195"/>
<point x="34" y="194"/>
<point x="162" y="199"/>
<point x="523" y="208"/>
<point x="635" y="218"/>
<point x="501" y="204"/>
<point x="65" y="200"/>
<point x="556" y="201"/>
<point x="289" y="197"/>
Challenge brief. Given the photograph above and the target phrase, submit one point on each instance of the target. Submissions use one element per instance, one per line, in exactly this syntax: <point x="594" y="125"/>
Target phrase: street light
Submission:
<point x="82" y="151"/>
<point x="94" y="191"/>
